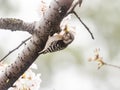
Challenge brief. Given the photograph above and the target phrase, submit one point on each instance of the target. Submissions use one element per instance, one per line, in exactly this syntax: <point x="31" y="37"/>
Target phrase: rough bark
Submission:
<point x="16" y="25"/>
<point x="40" y="32"/>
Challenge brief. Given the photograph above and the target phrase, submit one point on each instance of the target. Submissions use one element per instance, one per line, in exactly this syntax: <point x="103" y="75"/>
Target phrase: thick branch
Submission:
<point x="16" y="25"/>
<point x="56" y="12"/>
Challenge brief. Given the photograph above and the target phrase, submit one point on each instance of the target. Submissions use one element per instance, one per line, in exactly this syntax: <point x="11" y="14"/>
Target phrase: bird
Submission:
<point x="58" y="41"/>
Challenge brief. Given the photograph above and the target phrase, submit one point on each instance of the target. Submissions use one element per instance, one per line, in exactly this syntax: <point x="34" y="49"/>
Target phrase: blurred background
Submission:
<point x="69" y="69"/>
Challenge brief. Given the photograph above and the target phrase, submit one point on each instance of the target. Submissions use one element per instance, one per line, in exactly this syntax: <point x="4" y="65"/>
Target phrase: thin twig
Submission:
<point x="15" y="49"/>
<point x="83" y="24"/>
<point x="71" y="10"/>
<point x="112" y="65"/>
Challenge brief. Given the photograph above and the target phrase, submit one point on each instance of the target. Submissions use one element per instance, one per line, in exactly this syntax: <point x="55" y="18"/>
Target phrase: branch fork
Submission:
<point x="40" y="31"/>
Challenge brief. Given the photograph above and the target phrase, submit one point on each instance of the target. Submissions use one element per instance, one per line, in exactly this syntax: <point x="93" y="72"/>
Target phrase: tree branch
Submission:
<point x="73" y="6"/>
<point x="16" y="25"/>
<point x="49" y="23"/>
<point x="97" y="58"/>
<point x="111" y="65"/>
<point x="71" y="11"/>
<point x="84" y="24"/>
<point x="23" y="42"/>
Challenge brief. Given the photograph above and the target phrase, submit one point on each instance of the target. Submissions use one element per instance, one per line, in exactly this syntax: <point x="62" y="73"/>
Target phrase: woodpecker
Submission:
<point x="58" y="41"/>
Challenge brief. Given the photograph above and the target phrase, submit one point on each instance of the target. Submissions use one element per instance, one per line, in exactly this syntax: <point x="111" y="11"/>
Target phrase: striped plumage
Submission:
<point x="58" y="42"/>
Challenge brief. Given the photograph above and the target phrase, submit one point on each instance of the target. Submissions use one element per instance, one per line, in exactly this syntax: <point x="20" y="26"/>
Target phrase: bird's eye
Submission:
<point x="68" y="35"/>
